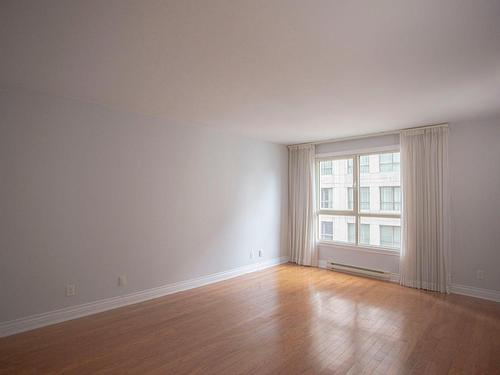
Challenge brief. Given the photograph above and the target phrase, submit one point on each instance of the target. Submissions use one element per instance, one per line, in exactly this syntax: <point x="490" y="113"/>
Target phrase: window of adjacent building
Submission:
<point x="326" y="197"/>
<point x="364" y="198"/>
<point x="326" y="168"/>
<point x="364" y="164"/>
<point x="390" y="198"/>
<point x="359" y="216"/>
<point x="351" y="232"/>
<point x="350" y="197"/>
<point x="327" y="230"/>
<point x="349" y="166"/>
<point x="389" y="162"/>
<point x="364" y="234"/>
<point x="390" y="236"/>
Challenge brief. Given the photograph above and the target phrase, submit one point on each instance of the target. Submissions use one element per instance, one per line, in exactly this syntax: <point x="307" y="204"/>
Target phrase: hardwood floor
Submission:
<point x="283" y="320"/>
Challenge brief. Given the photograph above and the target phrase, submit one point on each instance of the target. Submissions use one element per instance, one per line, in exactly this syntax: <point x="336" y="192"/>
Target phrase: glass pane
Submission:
<point x="326" y="198"/>
<point x="351" y="232"/>
<point x="335" y="181"/>
<point x="326" y="167"/>
<point x="397" y="199"/>
<point x="364" y="164"/>
<point x="389" y="162"/>
<point x="364" y="234"/>
<point x="385" y="158"/>
<point x="390" y="198"/>
<point x="337" y="228"/>
<point x="326" y="231"/>
<point x="379" y="190"/>
<point x="349" y="166"/>
<point x="380" y="232"/>
<point x="364" y="198"/>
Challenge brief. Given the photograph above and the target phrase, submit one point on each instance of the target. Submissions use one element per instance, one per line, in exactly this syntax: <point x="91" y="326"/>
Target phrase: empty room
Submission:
<point x="250" y="187"/>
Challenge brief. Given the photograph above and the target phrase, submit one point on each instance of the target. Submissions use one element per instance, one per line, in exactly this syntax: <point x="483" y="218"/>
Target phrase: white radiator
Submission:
<point x="331" y="265"/>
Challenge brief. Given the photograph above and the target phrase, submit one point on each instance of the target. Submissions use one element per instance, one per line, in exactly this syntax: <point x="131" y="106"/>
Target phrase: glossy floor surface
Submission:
<point x="283" y="320"/>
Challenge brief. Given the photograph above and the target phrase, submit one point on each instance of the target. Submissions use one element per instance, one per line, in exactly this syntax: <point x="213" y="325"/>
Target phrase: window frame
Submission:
<point x="350" y="202"/>
<point x="355" y="212"/>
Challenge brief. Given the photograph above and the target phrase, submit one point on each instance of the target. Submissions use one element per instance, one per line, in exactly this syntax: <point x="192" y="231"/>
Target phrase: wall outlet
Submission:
<point x="70" y="290"/>
<point x="261" y="253"/>
<point x="122" y="280"/>
<point x="480" y="274"/>
<point x="251" y="254"/>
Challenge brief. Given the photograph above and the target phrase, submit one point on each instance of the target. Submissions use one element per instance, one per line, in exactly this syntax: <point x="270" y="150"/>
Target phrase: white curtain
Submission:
<point x="424" y="258"/>
<point x="301" y="198"/>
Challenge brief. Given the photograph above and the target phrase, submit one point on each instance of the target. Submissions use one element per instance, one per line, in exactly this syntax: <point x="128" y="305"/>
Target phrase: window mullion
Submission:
<point x="355" y="184"/>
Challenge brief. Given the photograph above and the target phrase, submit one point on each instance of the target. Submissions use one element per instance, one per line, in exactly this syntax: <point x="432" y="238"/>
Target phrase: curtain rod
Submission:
<point x="378" y="134"/>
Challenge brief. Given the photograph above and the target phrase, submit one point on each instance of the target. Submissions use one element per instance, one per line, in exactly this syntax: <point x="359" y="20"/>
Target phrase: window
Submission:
<point x="350" y="198"/>
<point x="351" y="232"/>
<point x="390" y="198"/>
<point x="326" y="230"/>
<point x="349" y="166"/>
<point x="326" y="168"/>
<point x="364" y="164"/>
<point x="364" y="234"/>
<point x="364" y="198"/>
<point x="390" y="236"/>
<point x="326" y="197"/>
<point x="389" y="162"/>
<point x="364" y="215"/>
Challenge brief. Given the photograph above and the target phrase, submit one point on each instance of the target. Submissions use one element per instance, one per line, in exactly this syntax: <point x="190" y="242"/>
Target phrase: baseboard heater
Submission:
<point x="383" y="275"/>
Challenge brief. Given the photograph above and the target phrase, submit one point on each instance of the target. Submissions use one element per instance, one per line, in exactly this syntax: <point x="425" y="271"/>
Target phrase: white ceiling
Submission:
<point x="284" y="71"/>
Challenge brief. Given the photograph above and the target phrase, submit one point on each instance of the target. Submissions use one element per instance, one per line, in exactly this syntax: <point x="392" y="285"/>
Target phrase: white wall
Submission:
<point x="88" y="194"/>
<point x="474" y="152"/>
<point x="475" y="202"/>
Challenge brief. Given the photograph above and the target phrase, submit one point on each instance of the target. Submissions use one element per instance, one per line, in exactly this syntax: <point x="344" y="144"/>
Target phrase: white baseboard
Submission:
<point x="394" y="278"/>
<point x="40" y="320"/>
<point x="489" y="294"/>
<point x="471" y="291"/>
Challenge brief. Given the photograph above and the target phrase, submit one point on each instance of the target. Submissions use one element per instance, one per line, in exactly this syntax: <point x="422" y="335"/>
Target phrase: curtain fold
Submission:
<point x="424" y="261"/>
<point x="301" y="198"/>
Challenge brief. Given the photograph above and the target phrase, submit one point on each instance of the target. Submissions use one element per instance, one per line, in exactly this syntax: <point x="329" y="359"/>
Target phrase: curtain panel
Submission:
<point x="301" y="198"/>
<point x="424" y="261"/>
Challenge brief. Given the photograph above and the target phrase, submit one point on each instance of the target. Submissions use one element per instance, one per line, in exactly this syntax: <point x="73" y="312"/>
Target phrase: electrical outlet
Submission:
<point x="122" y="280"/>
<point x="480" y="274"/>
<point x="70" y="290"/>
<point x="251" y="254"/>
<point x="261" y="253"/>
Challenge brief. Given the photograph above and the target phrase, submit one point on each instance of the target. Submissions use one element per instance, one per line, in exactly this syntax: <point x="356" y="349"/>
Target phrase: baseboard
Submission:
<point x="394" y="277"/>
<point x="40" y="320"/>
<point x="471" y="291"/>
<point x="489" y="294"/>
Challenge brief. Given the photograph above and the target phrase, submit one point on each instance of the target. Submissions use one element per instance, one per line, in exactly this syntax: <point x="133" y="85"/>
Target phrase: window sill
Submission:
<point x="365" y="249"/>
